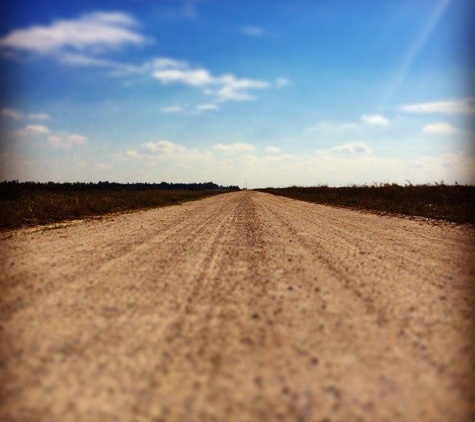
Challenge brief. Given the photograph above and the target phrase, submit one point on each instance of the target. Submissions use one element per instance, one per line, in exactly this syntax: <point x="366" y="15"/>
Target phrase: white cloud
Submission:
<point x="132" y="153"/>
<point x="224" y="88"/>
<point x="66" y="140"/>
<point x="171" y="109"/>
<point x="38" y="116"/>
<point x="374" y="120"/>
<point x="273" y="150"/>
<point x="462" y="106"/>
<point x="77" y="139"/>
<point x="35" y="130"/>
<point x="440" y="128"/>
<point x="235" y="89"/>
<point x="352" y="149"/>
<point x="10" y="113"/>
<point x="169" y="155"/>
<point x="80" y="42"/>
<point x="235" y="147"/>
<point x="198" y="77"/>
<point x="93" y="32"/>
<point x="207" y="107"/>
<point x="13" y="114"/>
<point x="252" y="31"/>
<point x="56" y="139"/>
<point x="167" y="62"/>
<point x="163" y="148"/>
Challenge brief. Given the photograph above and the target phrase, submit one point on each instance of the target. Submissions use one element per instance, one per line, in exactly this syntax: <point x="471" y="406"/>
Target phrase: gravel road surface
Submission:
<point x="240" y="307"/>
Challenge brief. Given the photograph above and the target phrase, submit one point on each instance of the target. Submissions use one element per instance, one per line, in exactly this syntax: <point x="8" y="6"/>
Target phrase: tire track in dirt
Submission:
<point x="424" y="309"/>
<point x="240" y="307"/>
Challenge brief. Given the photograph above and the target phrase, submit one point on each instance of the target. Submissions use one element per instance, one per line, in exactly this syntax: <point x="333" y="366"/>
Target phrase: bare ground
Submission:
<point x="240" y="307"/>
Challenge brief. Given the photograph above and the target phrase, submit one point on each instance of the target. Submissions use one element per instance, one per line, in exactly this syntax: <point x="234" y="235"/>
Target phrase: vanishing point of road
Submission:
<point x="240" y="307"/>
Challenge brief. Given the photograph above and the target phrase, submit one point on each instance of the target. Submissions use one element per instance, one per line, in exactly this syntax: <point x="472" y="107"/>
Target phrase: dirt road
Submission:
<point x="240" y="307"/>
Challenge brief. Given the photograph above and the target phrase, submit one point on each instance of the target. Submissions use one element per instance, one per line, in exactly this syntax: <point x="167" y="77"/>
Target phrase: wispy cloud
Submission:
<point x="59" y="139"/>
<point x="85" y="40"/>
<point x="374" y="119"/>
<point x="11" y="113"/>
<point x="235" y="147"/>
<point x="34" y="130"/>
<point x="328" y="126"/>
<point x="281" y="82"/>
<point x="66" y="140"/>
<point x="273" y="150"/>
<point x="462" y="106"/>
<point x="440" y="128"/>
<point x="76" y="59"/>
<point x="352" y="149"/>
<point x="166" y="152"/>
<point x="132" y="153"/>
<point x="38" y="116"/>
<point x="223" y="88"/>
<point x="92" y="33"/>
<point x="207" y="107"/>
<point x="252" y="31"/>
<point x="187" y="9"/>
<point x="171" y="109"/>
<point x="162" y="148"/>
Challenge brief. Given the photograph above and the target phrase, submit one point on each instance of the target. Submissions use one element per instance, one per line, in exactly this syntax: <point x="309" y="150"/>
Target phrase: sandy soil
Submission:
<point x="240" y="307"/>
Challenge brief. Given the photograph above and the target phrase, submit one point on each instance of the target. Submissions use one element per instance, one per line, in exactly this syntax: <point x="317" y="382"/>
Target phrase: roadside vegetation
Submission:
<point x="31" y="203"/>
<point x="454" y="203"/>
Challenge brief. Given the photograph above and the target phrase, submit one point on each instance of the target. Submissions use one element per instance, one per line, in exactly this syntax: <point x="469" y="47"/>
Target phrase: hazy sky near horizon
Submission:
<point x="285" y="92"/>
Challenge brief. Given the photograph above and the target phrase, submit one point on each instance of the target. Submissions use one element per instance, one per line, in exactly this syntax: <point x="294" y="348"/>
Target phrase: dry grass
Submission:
<point x="22" y="206"/>
<point x="454" y="203"/>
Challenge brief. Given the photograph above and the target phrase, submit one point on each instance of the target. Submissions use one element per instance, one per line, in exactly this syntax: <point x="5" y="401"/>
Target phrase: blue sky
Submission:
<point x="281" y="93"/>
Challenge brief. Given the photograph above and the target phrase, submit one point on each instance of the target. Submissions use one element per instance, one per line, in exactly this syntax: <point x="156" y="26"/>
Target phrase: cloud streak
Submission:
<point x="415" y="48"/>
<point x="462" y="106"/>
<point x="440" y="128"/>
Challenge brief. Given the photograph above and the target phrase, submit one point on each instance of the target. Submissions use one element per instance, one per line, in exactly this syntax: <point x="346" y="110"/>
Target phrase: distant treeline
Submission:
<point x="13" y="189"/>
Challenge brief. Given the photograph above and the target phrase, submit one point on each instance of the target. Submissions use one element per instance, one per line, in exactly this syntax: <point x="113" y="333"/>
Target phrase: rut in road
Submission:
<point x="240" y="307"/>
